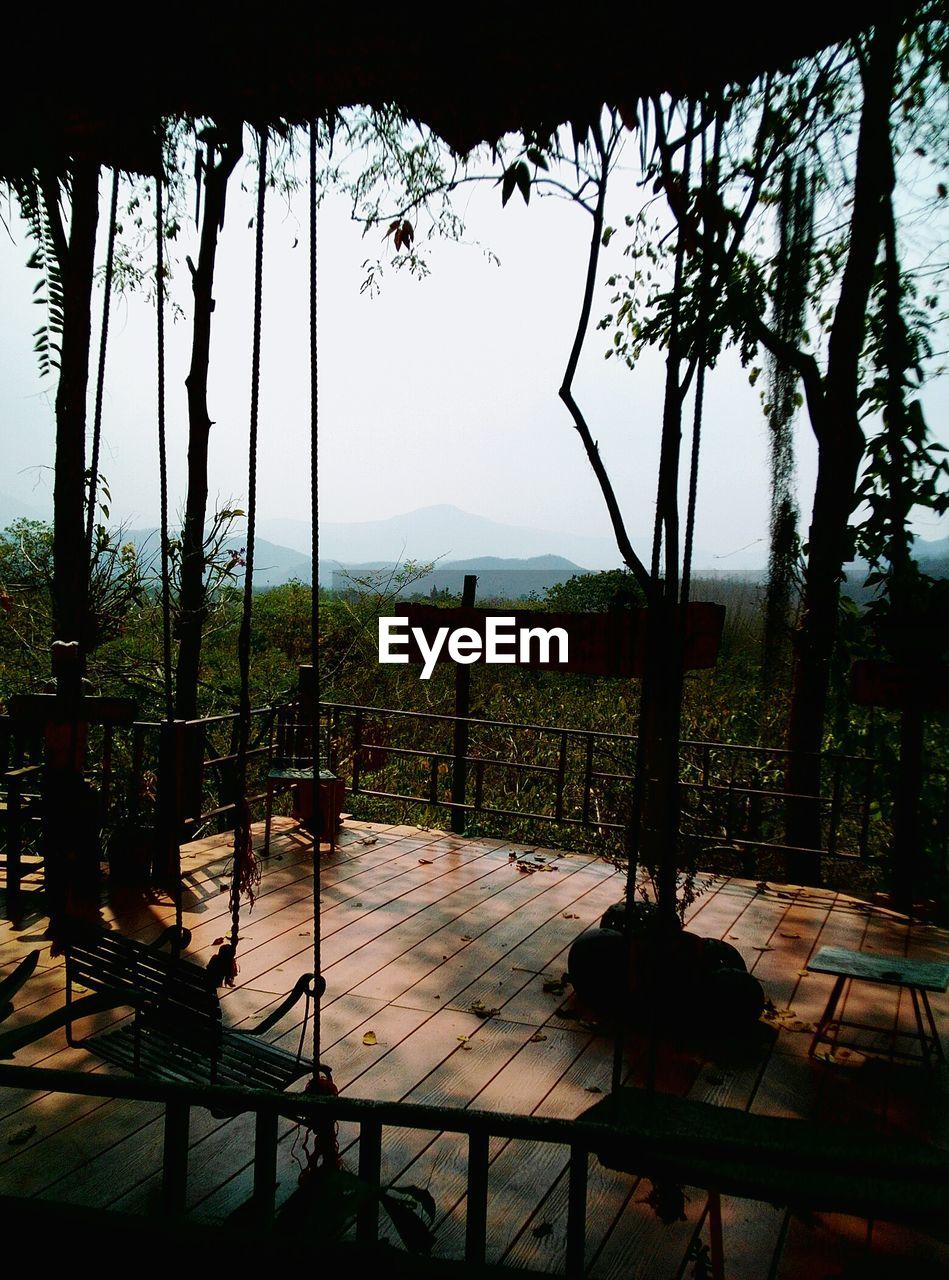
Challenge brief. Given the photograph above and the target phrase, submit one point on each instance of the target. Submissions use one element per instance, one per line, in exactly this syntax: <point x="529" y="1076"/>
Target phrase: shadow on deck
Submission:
<point x="423" y="933"/>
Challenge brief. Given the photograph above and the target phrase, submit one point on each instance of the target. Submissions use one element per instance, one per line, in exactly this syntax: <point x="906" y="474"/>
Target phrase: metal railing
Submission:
<point x="583" y="778"/>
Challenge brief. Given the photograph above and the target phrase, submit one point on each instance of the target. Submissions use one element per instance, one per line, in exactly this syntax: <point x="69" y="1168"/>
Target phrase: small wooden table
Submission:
<point x="918" y="976"/>
<point x="300" y="780"/>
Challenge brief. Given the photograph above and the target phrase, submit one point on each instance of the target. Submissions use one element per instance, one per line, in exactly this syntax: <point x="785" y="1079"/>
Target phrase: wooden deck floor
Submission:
<point x="419" y="926"/>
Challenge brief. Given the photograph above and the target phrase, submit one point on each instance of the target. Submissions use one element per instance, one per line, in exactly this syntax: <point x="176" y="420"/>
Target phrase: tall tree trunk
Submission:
<point x="192" y="603"/>
<point x="76" y="262"/>
<point x="840" y="444"/>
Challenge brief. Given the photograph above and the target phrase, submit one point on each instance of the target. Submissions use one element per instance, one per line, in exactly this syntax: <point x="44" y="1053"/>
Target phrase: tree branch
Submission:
<point x="566" y="389"/>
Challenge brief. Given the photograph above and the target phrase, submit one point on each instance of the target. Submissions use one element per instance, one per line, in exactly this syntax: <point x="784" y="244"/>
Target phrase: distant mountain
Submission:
<point x="439" y="532"/>
<point x="498" y="578"/>
<point x="273" y="564"/>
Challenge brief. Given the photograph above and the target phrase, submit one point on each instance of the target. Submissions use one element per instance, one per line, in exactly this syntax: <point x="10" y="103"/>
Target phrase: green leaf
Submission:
<point x="507" y="187"/>
<point x="522" y="177"/>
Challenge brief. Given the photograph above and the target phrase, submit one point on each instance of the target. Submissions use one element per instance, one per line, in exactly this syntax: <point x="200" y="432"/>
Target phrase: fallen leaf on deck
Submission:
<point x="369" y="840"/>
<point x="466" y="937"/>
<point x="789" y="935"/>
<point x="542" y="1231"/>
<point x="803" y="973"/>
<point x="733" y="937"/>
<point x="357" y="904"/>
<point x="762" y="948"/>
<point x="425" y="862"/>
<point x="570" y="915"/>
<point x="370" y="1038"/>
<point x="464" y="1039"/>
<point x="22" y="1135"/>
<point x="481" y="1010"/>
<point x="537" y="1037"/>
<point x="593" y="1088"/>
<point x="554" y="986"/>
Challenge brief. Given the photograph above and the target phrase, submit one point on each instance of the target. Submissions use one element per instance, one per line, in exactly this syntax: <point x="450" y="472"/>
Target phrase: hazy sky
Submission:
<point x="438" y="391"/>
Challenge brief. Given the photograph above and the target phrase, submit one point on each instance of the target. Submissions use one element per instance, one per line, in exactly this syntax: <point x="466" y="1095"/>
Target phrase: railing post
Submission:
<point x="370" y="1172"/>
<point x="357" y="752"/>
<point x="174" y="1178"/>
<point x="14" y="850"/>
<point x="171" y="771"/>
<point x="476" y="1215"/>
<point x="265" y="1166"/>
<point x="459" y="771"/>
<point x="561" y="775"/>
<point x="576" y="1212"/>
<point x="587" y="780"/>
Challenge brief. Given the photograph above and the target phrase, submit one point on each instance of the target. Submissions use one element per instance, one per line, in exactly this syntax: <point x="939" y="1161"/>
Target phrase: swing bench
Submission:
<point x="177" y="1032"/>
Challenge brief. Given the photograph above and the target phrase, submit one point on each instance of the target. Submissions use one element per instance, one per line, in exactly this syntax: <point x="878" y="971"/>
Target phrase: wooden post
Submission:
<point x="906" y="826"/>
<point x="459" y="775"/>
<point x="171" y="756"/>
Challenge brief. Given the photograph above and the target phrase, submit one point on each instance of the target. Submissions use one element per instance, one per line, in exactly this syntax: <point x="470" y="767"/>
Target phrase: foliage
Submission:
<point x="595" y="593"/>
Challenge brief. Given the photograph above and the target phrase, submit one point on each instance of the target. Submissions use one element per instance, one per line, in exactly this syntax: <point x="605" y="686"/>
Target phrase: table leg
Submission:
<point x="827" y="1016"/>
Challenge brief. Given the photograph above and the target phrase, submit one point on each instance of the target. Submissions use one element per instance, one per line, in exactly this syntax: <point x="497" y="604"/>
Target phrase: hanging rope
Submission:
<point x="171" y="868"/>
<point x="315" y="592"/>
<point x="246" y="870"/>
<point x="162" y="450"/>
<point x="100" y="375"/>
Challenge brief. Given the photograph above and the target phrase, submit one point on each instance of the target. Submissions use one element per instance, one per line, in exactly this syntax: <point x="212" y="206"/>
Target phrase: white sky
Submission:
<point x="438" y="391"/>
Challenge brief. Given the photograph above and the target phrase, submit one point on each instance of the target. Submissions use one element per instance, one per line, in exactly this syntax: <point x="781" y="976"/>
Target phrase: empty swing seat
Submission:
<point x="177" y="1033"/>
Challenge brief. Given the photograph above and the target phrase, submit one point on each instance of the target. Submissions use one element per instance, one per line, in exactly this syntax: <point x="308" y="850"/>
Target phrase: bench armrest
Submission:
<point x="305" y="986"/>
<point x="101" y="1002"/>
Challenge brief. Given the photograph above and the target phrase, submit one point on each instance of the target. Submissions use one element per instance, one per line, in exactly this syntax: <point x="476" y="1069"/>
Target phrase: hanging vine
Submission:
<point x="796" y="236"/>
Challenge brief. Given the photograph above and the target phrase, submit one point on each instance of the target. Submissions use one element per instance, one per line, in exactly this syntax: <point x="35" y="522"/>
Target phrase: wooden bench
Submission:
<point x="177" y="1032"/>
<point x="918" y="976"/>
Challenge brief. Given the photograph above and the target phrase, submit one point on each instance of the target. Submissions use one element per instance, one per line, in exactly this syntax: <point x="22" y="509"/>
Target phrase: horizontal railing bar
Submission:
<point x="317" y="1109"/>
<point x="600" y="735"/>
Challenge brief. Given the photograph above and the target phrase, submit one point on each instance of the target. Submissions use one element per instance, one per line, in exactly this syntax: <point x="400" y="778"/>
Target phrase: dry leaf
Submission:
<point x="370" y="1038"/>
<point x="466" y="937"/>
<point x="570" y="915"/>
<point x="789" y="935"/>
<point x="464" y="1039"/>
<point x="425" y="862"/>
<point x="537" y="1037"/>
<point x="593" y="1088"/>
<point x="762" y="948"/>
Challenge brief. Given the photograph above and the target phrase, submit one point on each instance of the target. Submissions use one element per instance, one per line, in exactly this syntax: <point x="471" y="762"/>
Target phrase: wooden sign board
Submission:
<point x="895" y="687"/>
<point x="599" y="644"/>
<point x="38" y="708"/>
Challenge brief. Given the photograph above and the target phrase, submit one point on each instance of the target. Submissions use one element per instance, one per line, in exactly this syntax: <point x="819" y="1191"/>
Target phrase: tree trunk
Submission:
<point x="840" y="445"/>
<point x="192" y="601"/>
<point x="76" y="263"/>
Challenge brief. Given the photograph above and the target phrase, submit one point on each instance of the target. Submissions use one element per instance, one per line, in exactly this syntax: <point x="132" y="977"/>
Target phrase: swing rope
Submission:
<point x="100" y="375"/>
<point x="315" y="594"/>
<point x="169" y="837"/>
<point x="245" y="876"/>
<point x="163" y="451"/>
